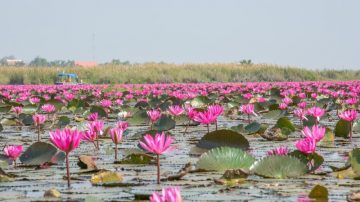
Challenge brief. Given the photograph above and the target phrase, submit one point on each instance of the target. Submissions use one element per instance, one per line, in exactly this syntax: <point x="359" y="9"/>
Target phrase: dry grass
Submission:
<point x="172" y="73"/>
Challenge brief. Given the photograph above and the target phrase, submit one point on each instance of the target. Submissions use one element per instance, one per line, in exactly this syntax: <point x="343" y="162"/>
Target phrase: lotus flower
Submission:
<point x="307" y="145"/>
<point x="48" y="108"/>
<point x="154" y="115"/>
<point x="316" y="133"/>
<point x="34" y="100"/>
<point x="116" y="136"/>
<point x="122" y="125"/>
<point x="106" y="103"/>
<point x="93" y="117"/>
<point x="38" y="121"/>
<point x="13" y="152"/>
<point x="316" y="112"/>
<point x="66" y="140"/>
<point x="158" y="145"/>
<point x="205" y="118"/>
<point x="281" y="151"/>
<point x="248" y="109"/>
<point x="176" y="110"/>
<point x="90" y="136"/>
<point x="96" y="127"/>
<point x="350" y="116"/>
<point x="300" y="113"/>
<point x="17" y="110"/>
<point x="170" y="194"/>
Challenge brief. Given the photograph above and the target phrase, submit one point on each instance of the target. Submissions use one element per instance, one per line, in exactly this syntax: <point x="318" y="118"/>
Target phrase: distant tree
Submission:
<point x="245" y="62"/>
<point x="118" y="62"/>
<point x="39" y="62"/>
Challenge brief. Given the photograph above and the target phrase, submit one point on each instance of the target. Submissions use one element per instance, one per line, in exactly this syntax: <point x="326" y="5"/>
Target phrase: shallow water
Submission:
<point x="31" y="184"/>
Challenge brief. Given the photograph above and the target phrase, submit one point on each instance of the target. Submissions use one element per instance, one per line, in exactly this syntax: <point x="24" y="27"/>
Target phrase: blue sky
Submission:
<point x="306" y="33"/>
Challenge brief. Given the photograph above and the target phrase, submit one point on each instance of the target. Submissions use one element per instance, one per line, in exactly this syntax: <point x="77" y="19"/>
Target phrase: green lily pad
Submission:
<point x="101" y="112"/>
<point x="5" y="109"/>
<point x="139" y="118"/>
<point x="277" y="134"/>
<point x="253" y="127"/>
<point x="225" y="158"/>
<point x="63" y="121"/>
<point x="38" y="154"/>
<point x="164" y="123"/>
<point x="200" y="102"/>
<point x="311" y="121"/>
<point x="279" y="167"/>
<point x="355" y="160"/>
<point x="274" y="114"/>
<point x="137" y="158"/>
<point x="313" y="161"/>
<point x="26" y="119"/>
<point x="284" y="122"/>
<point x="342" y="128"/>
<point x="220" y="138"/>
<point x="29" y="109"/>
<point x="239" y="128"/>
<point x="328" y="139"/>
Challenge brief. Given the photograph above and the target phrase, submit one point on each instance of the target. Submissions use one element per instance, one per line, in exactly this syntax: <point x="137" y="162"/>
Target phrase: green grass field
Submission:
<point x="171" y="73"/>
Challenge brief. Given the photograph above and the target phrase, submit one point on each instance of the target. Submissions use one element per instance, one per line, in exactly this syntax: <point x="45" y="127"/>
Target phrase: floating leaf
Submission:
<point x="223" y="137"/>
<point x="137" y="158"/>
<point x="139" y="118"/>
<point x="342" y="128"/>
<point x="277" y="134"/>
<point x="328" y="140"/>
<point x="141" y="104"/>
<point x="106" y="177"/>
<point x="86" y="162"/>
<point x="5" y="109"/>
<point x="26" y="119"/>
<point x="284" y="122"/>
<point x="29" y="109"/>
<point x="38" y="154"/>
<point x="313" y="161"/>
<point x="200" y="102"/>
<point x="273" y="114"/>
<point x="309" y="121"/>
<point x="279" y="167"/>
<point x="8" y="122"/>
<point x="238" y="128"/>
<point x="101" y="112"/>
<point x="252" y="127"/>
<point x="63" y="121"/>
<point x="355" y="160"/>
<point x="225" y="158"/>
<point x="320" y="193"/>
<point x="164" y="123"/>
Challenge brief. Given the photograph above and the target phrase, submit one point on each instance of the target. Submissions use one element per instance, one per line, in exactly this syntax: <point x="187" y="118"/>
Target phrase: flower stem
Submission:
<point x="38" y="133"/>
<point x="350" y="132"/>
<point x="158" y="168"/>
<point x="216" y="124"/>
<point x="208" y="128"/>
<point x="97" y="141"/>
<point x="116" y="152"/>
<point x="67" y="169"/>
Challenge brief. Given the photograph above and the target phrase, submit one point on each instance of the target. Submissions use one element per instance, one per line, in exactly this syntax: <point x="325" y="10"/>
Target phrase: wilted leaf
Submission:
<point x="106" y="177"/>
<point x="319" y="193"/>
<point x="342" y="128"/>
<point x="137" y="158"/>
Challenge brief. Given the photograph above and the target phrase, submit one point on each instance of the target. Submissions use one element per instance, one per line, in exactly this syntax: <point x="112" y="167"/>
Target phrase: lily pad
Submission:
<point x="319" y="193"/>
<point x="284" y="122"/>
<point x="137" y="158"/>
<point x="26" y="119"/>
<point x="139" y="118"/>
<point x="164" y="123"/>
<point x="355" y="160"/>
<point x="106" y="177"/>
<point x="342" y="128"/>
<point x="279" y="167"/>
<point x="309" y="121"/>
<point x="273" y="114"/>
<point x="101" y="112"/>
<point x="328" y="140"/>
<point x="38" y="154"/>
<point x="313" y="161"/>
<point x="253" y="127"/>
<point x="277" y="134"/>
<point x="222" y="138"/>
<point x="200" y="102"/>
<point x="225" y="158"/>
<point x="63" y="121"/>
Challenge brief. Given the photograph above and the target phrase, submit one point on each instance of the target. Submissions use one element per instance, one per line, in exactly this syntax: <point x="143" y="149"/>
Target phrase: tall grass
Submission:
<point x="172" y="73"/>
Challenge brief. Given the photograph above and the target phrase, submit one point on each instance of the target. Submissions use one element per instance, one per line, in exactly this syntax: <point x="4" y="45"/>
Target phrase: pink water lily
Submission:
<point x="316" y="132"/>
<point x="306" y="145"/>
<point x="169" y="194"/>
<point x="205" y="118"/>
<point x="281" y="151"/>
<point x="316" y="112"/>
<point x="176" y="110"/>
<point x="350" y="116"/>
<point x="17" y="110"/>
<point x="154" y="115"/>
<point x="93" y="117"/>
<point x="122" y="125"/>
<point x="38" y="119"/>
<point x="116" y="136"/>
<point x="48" y="108"/>
<point x="97" y="127"/>
<point x="158" y="145"/>
<point x="66" y="140"/>
<point x="13" y="152"/>
<point x="248" y="109"/>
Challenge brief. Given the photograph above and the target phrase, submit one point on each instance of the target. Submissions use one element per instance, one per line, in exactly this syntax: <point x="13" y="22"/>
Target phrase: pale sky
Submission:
<point x="303" y="33"/>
